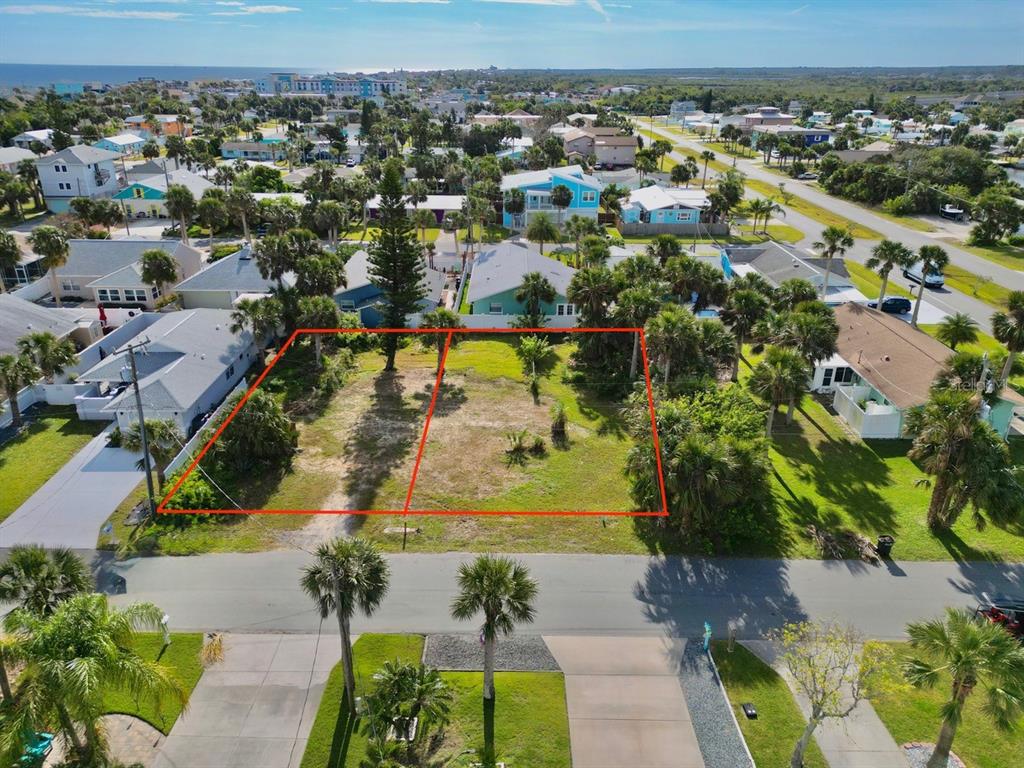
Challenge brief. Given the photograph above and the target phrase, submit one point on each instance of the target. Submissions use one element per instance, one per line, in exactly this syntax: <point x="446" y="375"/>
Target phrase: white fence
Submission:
<point x="878" y="421"/>
<point x="555" y="323"/>
<point x="27" y="397"/>
<point x="33" y="291"/>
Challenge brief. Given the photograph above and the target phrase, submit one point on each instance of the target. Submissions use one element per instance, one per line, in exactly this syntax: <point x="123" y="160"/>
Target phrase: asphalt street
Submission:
<point x="579" y="594"/>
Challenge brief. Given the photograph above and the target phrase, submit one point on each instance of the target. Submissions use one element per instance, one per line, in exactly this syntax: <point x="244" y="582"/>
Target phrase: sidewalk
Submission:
<point x="859" y="741"/>
<point x="626" y="706"/>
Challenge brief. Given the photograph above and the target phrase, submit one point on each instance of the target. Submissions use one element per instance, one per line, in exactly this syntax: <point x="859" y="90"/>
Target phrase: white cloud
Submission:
<point x="91" y="13"/>
<point x="596" y="6"/>
<point x="795" y="11"/>
<point x="235" y="3"/>
<point x="251" y="10"/>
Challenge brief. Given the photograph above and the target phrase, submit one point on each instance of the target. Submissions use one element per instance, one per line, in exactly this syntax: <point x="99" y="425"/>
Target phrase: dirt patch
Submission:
<point x="465" y="455"/>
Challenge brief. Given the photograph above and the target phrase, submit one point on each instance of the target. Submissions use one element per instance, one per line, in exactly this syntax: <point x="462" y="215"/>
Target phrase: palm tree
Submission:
<point x="164" y="439"/>
<point x="52" y="244"/>
<point x="634" y="306"/>
<point x="779" y="378"/>
<point x="957" y="329"/>
<point x="158" y="268"/>
<point x="1008" y="327"/>
<point x="680" y="174"/>
<point x="72" y="660"/>
<point x="515" y="202"/>
<point x="933" y="260"/>
<point x="561" y="198"/>
<point x="663" y="247"/>
<point x="534" y="291"/>
<point x="16" y="371"/>
<point x="744" y="310"/>
<point x="531" y="351"/>
<point x="503" y="591"/>
<point x="347" y="574"/>
<point x="423" y="219"/>
<point x="645" y="163"/>
<point x="50" y="354"/>
<point x="972" y="654"/>
<point x="442" y="319"/>
<point x="242" y="205"/>
<point x="181" y="205"/>
<point x="835" y="241"/>
<point x="212" y="213"/>
<point x="577" y="227"/>
<point x="541" y="230"/>
<point x="671" y="335"/>
<point x="10" y="255"/>
<point x="884" y="257"/>
<point x="594" y="251"/>
<point x="318" y="312"/>
<point x="707" y="156"/>
<point x="260" y="316"/>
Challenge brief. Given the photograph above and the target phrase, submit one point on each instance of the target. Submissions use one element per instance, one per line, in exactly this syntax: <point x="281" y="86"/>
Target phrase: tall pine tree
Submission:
<point x="396" y="261"/>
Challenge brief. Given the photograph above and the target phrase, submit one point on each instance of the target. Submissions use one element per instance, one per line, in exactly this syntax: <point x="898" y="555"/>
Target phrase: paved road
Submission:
<point x="946" y="300"/>
<point x="579" y="594"/>
<point x="70" y="507"/>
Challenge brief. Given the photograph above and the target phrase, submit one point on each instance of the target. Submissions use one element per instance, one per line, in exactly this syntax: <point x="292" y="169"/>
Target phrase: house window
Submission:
<point x="589" y="196"/>
<point x="108" y="294"/>
<point x="132" y="294"/>
<point x="60" y="168"/>
<point x="155" y="290"/>
<point x="495" y="308"/>
<point x="138" y="192"/>
<point x="69" y="285"/>
<point x="346" y="305"/>
<point x="565" y="310"/>
<point x="229" y="372"/>
<point x="845" y="375"/>
<point x="64" y="186"/>
<point x="826" y="378"/>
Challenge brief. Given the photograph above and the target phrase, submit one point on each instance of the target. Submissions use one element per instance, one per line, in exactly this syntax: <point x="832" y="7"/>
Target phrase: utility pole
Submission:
<point x="146" y="459"/>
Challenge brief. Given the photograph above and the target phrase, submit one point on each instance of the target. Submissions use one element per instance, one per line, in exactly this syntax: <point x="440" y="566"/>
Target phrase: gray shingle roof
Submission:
<point x="19" y="318"/>
<point x="777" y="263"/>
<point x="195" y="183"/>
<point x="237" y="272"/>
<point x="80" y="154"/>
<point x="502" y="268"/>
<point x="102" y="257"/>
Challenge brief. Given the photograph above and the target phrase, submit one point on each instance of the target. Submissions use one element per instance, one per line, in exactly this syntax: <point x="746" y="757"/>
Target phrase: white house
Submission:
<point x="25" y="140"/>
<point x="78" y="171"/>
<point x="10" y="157"/>
<point x="191" y="362"/>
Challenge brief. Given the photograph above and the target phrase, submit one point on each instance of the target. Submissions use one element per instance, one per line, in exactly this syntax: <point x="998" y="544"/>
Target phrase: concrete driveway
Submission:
<point x="626" y="706"/>
<point x="256" y="708"/>
<point x="69" y="508"/>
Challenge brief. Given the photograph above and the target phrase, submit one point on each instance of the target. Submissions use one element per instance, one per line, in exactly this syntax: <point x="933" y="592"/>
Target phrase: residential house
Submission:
<point x="361" y="296"/>
<point x="777" y="263"/>
<point x="145" y="197"/>
<point x="161" y="127"/>
<point x="515" y="148"/>
<point x="679" y="109"/>
<point x="109" y="272"/>
<point x="520" y="117"/>
<point x="11" y="157"/>
<point x="439" y="205"/>
<point x="884" y="367"/>
<point x="78" y="171"/>
<point x="668" y="210"/>
<point x="609" y="146"/>
<point x="28" y="269"/>
<point x="498" y="273"/>
<point x="537" y="186"/>
<point x="264" y="151"/>
<point x="794" y="134"/>
<point x="123" y="143"/>
<point x="192" y="361"/>
<point x="223" y="283"/>
<point x="765" y="116"/>
<point x="19" y="317"/>
<point x="26" y="139"/>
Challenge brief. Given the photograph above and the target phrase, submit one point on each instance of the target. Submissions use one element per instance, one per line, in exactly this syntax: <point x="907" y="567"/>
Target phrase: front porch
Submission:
<point x="867" y="411"/>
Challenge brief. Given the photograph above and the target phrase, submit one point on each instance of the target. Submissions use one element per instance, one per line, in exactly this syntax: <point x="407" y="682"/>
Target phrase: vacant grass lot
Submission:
<point x="38" y="451"/>
<point x="812" y="210"/>
<point x="915" y="716"/>
<point x="182" y="657"/>
<point x="982" y="288"/>
<point x="528" y="724"/>
<point x="772" y="736"/>
<point x="1003" y="253"/>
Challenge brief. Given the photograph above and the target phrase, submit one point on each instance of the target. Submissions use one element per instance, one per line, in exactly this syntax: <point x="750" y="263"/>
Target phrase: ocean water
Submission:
<point x="36" y="75"/>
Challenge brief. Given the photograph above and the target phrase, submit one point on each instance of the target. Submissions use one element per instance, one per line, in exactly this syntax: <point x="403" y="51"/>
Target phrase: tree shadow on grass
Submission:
<point x="344" y="727"/>
<point x="450" y="397"/>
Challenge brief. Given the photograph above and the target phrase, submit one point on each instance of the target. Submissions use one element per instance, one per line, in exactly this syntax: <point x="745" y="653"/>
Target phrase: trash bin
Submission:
<point x="884" y="545"/>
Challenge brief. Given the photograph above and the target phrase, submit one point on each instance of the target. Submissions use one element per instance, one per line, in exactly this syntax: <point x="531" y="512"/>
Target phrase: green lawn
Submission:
<point x="869" y="283"/>
<point x="910" y="222"/>
<point x="28" y="212"/>
<point x="741" y="236"/>
<point x="528" y="725"/>
<point x="182" y="656"/>
<point x="464" y="305"/>
<point x="982" y="288"/>
<point x="39" y="450"/>
<point x="915" y="716"/>
<point x="1003" y="253"/>
<point x="772" y="736"/>
<point x="781" y="232"/>
<point x="812" y="210"/>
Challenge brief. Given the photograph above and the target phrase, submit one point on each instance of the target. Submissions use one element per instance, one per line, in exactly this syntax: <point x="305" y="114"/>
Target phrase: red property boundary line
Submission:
<point x="406" y="510"/>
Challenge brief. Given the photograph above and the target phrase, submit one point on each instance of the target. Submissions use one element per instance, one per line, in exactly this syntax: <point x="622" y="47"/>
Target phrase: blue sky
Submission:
<point x="422" y="34"/>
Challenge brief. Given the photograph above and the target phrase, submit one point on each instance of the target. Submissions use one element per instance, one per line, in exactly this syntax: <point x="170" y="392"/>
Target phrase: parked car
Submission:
<point x="350" y="163"/>
<point x="1006" y="612"/>
<point x="896" y="305"/>
<point x="931" y="280"/>
<point x="807" y="176"/>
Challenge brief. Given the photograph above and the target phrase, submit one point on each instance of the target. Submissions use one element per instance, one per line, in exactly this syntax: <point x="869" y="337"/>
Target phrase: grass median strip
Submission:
<point x="811" y="210"/>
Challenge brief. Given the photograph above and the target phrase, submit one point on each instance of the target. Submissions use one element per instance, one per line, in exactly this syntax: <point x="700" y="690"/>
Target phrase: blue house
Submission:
<point x="498" y="273"/>
<point x="537" y="186"/>
<point x="796" y="135"/>
<point x="267" y="150"/>
<point x="664" y="205"/>
<point x="364" y="298"/>
<point x="123" y="144"/>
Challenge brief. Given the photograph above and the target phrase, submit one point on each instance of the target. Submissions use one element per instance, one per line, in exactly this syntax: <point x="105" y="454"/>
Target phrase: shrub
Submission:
<point x="223" y="250"/>
<point x="558" y="421"/>
<point x="1016" y="240"/>
<point x="517" y="448"/>
<point x="538" y="448"/>
<point x="195" y="493"/>
<point x="901" y="205"/>
<point x="115" y="438"/>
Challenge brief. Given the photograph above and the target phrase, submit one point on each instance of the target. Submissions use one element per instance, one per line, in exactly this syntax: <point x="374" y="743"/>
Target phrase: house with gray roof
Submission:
<point x="78" y="171"/>
<point x="10" y="157"/>
<point x="191" y="361"/>
<point x="777" y="263"/>
<point x="19" y="318"/>
<point x="360" y="295"/>
<point x="222" y="283"/>
<point x="498" y="273"/>
<point x="109" y="272"/>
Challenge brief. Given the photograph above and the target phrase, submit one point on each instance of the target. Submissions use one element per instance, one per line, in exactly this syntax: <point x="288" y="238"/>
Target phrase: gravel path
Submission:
<point x="918" y="753"/>
<point x="720" y="742"/>
<point x="518" y="653"/>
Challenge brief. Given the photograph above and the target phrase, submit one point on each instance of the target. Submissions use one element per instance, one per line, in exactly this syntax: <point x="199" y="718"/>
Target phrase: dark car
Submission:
<point x="896" y="305"/>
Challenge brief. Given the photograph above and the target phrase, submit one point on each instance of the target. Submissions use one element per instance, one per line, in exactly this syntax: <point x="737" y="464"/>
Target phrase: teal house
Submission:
<point x="498" y="274"/>
<point x="144" y="197"/>
<point x="536" y="187"/>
